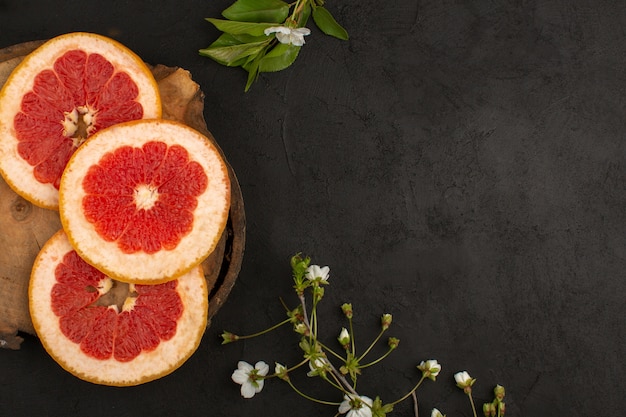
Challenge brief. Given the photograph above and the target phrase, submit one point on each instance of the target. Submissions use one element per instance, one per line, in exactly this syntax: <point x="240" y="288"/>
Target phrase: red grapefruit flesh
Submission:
<point x="63" y="92"/>
<point x="145" y="201"/>
<point x="109" y="332"/>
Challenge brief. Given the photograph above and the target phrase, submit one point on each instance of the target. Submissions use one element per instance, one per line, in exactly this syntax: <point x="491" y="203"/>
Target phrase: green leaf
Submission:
<point x="279" y="58"/>
<point x="228" y="39"/>
<point x="327" y="23"/>
<point x="240" y="28"/>
<point x="274" y="11"/>
<point x="253" y="73"/>
<point x="233" y="55"/>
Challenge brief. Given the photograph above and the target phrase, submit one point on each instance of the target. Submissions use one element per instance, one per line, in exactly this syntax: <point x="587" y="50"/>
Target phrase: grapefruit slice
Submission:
<point x="64" y="91"/>
<point x="108" y="332"/>
<point x="145" y="201"/>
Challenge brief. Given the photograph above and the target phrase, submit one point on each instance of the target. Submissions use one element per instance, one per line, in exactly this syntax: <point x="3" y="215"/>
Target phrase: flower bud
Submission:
<point x="385" y="321"/>
<point x="281" y="372"/>
<point x="489" y="410"/>
<point x="228" y="337"/>
<point x="464" y="381"/>
<point x="430" y="369"/>
<point x="301" y="328"/>
<point x="393" y="342"/>
<point x="344" y="338"/>
<point x="501" y="408"/>
<point x="499" y="392"/>
<point x="347" y="310"/>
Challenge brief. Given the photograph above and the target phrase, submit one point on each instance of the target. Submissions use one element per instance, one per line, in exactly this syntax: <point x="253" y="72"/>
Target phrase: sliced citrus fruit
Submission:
<point x="145" y="201"/>
<point x="109" y="332"/>
<point x="64" y="91"/>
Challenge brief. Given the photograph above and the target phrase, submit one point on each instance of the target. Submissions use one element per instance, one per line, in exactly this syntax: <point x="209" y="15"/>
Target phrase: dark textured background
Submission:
<point x="459" y="164"/>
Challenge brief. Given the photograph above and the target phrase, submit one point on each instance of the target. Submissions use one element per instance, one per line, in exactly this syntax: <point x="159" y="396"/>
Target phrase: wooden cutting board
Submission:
<point x="24" y="228"/>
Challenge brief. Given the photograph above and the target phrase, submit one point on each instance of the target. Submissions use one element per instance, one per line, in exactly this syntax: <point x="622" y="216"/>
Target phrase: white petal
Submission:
<point x="277" y="29"/>
<point x="312" y="272"/>
<point x="435" y="413"/>
<point x="461" y="377"/>
<point x="344" y="406"/>
<point x="280" y="368"/>
<point x="367" y="400"/>
<point x="296" y="40"/>
<point x="364" y="411"/>
<point x="262" y="368"/>
<point x="259" y="385"/>
<point x="302" y="31"/>
<point x="244" y="366"/>
<point x="325" y="270"/>
<point x="239" y="376"/>
<point x="247" y="390"/>
<point x="283" y="37"/>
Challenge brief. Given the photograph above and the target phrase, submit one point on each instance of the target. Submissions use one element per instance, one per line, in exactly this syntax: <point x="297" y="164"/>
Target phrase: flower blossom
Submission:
<point x="430" y="368"/>
<point x="315" y="272"/>
<point x="318" y="366"/>
<point x="356" y="406"/>
<point x="250" y="379"/>
<point x="464" y="381"/>
<point x="284" y="34"/>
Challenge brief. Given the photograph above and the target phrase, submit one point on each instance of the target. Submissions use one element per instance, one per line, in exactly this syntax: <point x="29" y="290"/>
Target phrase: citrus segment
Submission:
<point x="63" y="92"/>
<point x="110" y="336"/>
<point x="145" y="201"/>
<point x="152" y="189"/>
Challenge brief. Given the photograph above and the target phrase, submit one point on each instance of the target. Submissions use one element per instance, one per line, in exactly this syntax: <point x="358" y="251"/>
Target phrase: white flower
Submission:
<point x="318" y="366"/>
<point x="251" y="379"/>
<point x="430" y="368"/>
<point x="463" y="380"/>
<point x="284" y="34"/>
<point x="356" y="406"/>
<point x="281" y="371"/>
<point x="436" y="413"/>
<point x="344" y="337"/>
<point x="315" y="272"/>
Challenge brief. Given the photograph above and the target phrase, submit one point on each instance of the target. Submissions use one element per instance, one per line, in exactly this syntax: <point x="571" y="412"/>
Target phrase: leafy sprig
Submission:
<point x="341" y="369"/>
<point x="266" y="35"/>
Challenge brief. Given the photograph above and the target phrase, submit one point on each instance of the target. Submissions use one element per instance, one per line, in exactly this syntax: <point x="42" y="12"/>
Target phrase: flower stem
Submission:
<point x="415" y="408"/>
<point x="371" y="345"/>
<point x="336" y="383"/>
<point x="336" y="373"/>
<point x="297" y="366"/>
<point x="374" y="362"/>
<point x="274" y="327"/>
<point x="408" y="394"/>
<point x="469" y="394"/>
<point x="352" y="337"/>
<point x="332" y="352"/>
<point x="309" y="397"/>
